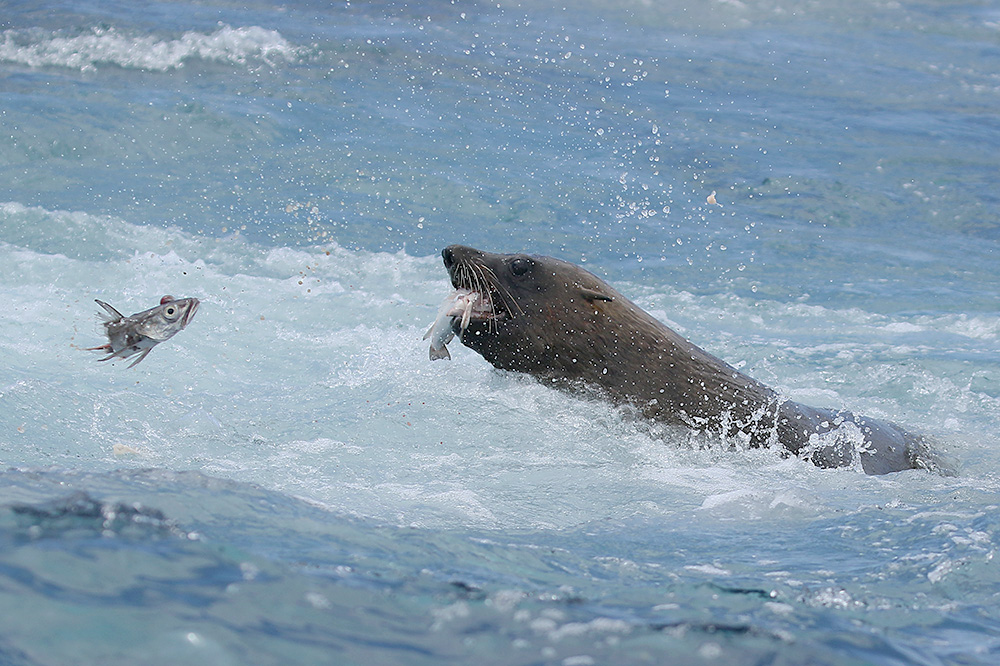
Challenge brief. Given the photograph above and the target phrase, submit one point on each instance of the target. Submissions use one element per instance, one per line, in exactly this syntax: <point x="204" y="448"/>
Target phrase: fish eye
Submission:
<point x="171" y="311"/>
<point x="521" y="265"/>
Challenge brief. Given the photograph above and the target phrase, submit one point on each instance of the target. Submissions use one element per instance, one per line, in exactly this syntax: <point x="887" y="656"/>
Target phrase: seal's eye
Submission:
<point x="521" y="265"/>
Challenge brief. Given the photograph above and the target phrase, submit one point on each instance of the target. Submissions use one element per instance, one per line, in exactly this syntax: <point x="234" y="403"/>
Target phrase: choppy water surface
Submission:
<point x="291" y="480"/>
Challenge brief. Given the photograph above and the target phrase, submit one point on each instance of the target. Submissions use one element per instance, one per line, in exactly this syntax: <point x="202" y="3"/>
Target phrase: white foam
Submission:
<point x="108" y="46"/>
<point x="305" y="372"/>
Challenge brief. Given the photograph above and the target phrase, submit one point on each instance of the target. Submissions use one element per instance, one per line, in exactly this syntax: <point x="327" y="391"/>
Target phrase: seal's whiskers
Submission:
<point x="504" y="293"/>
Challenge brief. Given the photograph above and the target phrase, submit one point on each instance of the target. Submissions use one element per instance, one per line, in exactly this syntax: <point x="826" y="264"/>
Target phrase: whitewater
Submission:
<point x="291" y="480"/>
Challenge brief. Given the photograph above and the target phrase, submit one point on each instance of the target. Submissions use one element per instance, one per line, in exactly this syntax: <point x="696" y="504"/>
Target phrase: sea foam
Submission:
<point x="109" y="46"/>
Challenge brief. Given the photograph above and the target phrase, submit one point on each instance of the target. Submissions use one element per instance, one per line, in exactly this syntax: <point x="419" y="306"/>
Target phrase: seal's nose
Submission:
<point x="448" y="254"/>
<point x="456" y="254"/>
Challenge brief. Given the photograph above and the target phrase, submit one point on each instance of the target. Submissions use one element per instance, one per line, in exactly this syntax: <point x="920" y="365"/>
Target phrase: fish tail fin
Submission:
<point x="438" y="354"/>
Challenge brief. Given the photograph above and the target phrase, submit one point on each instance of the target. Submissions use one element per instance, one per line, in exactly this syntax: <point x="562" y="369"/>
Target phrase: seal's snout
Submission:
<point x="448" y="254"/>
<point x="457" y="254"/>
<point x="468" y="269"/>
<point x="457" y="259"/>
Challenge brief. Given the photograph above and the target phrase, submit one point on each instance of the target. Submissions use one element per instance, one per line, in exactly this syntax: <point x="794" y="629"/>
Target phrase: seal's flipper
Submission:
<point x="594" y="295"/>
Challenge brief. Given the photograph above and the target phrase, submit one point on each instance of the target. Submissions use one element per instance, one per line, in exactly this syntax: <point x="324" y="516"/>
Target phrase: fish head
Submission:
<point x="166" y="319"/>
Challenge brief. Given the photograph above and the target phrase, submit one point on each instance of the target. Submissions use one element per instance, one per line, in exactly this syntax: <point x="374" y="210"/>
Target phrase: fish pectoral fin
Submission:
<point x="114" y="314"/>
<point x="143" y="355"/>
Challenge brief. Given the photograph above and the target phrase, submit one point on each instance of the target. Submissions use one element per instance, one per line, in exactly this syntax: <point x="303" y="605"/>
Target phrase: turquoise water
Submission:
<point x="291" y="480"/>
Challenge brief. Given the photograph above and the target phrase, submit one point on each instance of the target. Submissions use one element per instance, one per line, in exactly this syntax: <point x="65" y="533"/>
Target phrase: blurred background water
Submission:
<point x="290" y="479"/>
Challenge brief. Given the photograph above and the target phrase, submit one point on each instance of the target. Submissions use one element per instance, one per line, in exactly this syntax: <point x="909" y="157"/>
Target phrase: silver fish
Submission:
<point x="140" y="332"/>
<point x="459" y="303"/>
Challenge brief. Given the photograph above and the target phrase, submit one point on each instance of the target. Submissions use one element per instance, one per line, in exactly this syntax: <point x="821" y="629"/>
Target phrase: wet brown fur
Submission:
<point x="558" y="322"/>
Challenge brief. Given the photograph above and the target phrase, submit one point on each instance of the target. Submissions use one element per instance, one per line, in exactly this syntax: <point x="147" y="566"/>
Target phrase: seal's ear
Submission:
<point x="591" y="295"/>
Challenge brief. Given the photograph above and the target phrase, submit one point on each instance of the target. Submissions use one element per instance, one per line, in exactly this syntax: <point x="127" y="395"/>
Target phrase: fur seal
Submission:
<point x="560" y="323"/>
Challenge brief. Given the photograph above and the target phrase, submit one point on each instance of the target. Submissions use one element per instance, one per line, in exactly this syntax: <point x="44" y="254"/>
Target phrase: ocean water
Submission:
<point x="290" y="480"/>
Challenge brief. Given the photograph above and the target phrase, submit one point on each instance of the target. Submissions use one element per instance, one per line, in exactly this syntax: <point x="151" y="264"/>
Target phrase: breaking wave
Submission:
<point x="109" y="46"/>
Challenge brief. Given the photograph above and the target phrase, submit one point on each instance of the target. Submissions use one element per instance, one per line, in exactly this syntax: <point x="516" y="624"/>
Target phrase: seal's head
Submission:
<point x="534" y="314"/>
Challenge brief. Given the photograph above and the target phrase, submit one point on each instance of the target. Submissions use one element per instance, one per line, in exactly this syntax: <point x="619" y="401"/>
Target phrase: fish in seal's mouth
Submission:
<point x="477" y="297"/>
